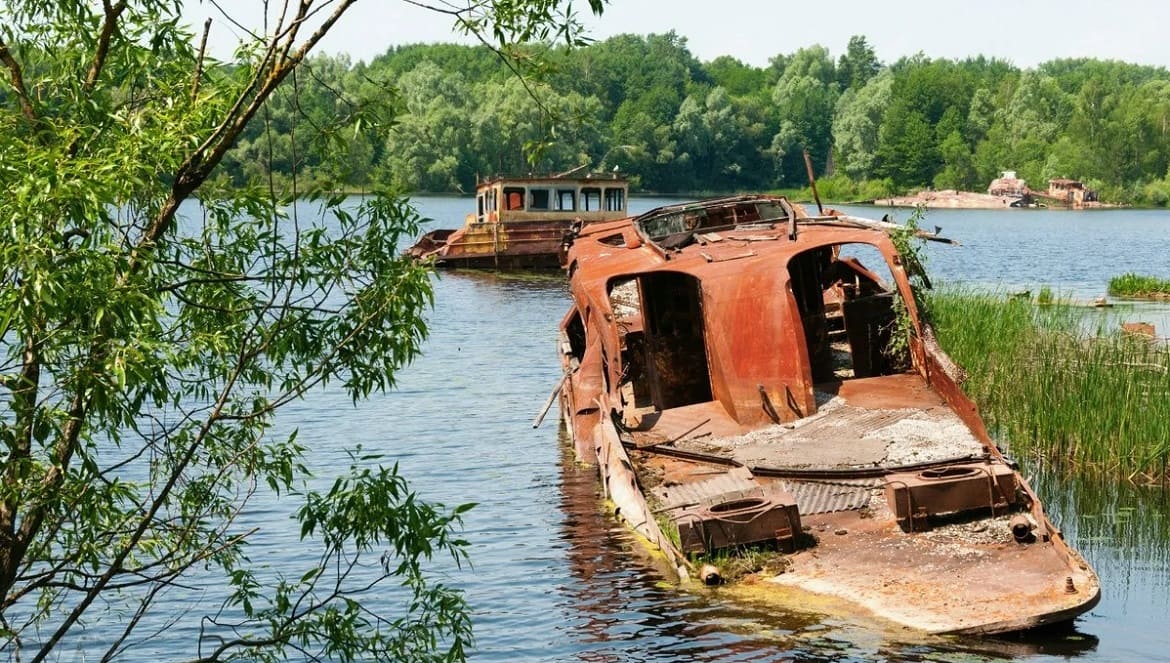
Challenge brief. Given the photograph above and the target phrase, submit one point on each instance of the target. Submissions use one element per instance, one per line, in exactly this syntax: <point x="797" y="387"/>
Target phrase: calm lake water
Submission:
<point x="553" y="578"/>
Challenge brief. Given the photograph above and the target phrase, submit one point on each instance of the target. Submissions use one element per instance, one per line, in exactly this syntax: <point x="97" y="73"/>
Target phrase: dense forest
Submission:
<point x="647" y="106"/>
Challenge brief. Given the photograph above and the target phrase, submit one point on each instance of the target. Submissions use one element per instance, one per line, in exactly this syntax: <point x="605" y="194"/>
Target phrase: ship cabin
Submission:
<point x="589" y="198"/>
<point x="733" y="310"/>
<point x="521" y="222"/>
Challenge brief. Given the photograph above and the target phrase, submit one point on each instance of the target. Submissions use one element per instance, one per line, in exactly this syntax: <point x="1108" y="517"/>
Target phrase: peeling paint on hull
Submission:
<point x="741" y="338"/>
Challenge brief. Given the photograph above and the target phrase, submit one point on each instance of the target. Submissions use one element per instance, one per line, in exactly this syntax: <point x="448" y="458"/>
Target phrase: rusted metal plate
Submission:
<point x="740" y="519"/>
<point x="916" y="497"/>
<point x="674" y="496"/>
<point x="742" y="333"/>
<point x="814" y="497"/>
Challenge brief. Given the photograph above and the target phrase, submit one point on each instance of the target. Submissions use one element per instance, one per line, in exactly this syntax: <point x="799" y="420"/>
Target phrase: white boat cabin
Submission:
<point x="591" y="198"/>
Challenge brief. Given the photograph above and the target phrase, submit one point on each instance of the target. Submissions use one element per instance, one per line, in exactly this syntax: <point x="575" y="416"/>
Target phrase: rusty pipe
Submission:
<point x="1022" y="526"/>
<point x="710" y="575"/>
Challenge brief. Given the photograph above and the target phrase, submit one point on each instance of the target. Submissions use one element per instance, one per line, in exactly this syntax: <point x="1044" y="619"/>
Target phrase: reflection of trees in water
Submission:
<point x="628" y="609"/>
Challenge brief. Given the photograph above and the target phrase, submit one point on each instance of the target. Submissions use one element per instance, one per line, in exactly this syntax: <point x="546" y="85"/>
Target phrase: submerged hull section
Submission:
<point x="731" y="369"/>
<point x="521" y="245"/>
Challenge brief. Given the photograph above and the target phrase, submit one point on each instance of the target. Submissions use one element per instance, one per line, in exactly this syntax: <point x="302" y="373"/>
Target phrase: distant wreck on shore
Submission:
<point x="1006" y="191"/>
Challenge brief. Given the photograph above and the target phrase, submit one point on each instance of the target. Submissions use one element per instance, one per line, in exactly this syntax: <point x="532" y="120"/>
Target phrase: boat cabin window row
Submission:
<point x="554" y="199"/>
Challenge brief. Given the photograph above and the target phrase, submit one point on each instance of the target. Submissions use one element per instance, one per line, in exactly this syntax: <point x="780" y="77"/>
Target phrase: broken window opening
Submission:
<point x="539" y="199"/>
<point x="575" y="331"/>
<point x="615" y="200"/>
<point x="848" y="308"/>
<point x="591" y="199"/>
<point x="490" y="207"/>
<point x="566" y="200"/>
<point x="664" y="353"/>
<point x="513" y="198"/>
<point x="676" y="227"/>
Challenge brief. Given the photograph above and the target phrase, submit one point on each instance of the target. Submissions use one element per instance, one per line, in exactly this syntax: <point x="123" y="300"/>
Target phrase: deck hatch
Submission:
<point x="760" y="516"/>
<point x="915" y="497"/>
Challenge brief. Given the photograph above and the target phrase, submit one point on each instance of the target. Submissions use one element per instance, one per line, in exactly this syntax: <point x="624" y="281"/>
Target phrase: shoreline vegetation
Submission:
<point x="1051" y="386"/>
<point x="1137" y="286"/>
<point x="646" y="106"/>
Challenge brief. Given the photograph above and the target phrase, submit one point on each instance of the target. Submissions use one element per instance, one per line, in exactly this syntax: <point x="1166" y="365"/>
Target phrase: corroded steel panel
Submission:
<point x="740" y="519"/>
<point x="915" y="497"/>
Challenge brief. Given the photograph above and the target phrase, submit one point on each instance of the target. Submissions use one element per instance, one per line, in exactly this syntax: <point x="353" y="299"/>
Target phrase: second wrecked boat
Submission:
<point x="520" y="222"/>
<point x="746" y="375"/>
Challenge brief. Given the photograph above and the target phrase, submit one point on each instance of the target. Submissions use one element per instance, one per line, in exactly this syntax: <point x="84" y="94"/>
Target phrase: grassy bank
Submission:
<point x="1139" y="287"/>
<point x="1047" y="387"/>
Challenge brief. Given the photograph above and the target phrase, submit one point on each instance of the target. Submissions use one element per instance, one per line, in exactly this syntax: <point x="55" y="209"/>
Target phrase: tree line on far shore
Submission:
<point x="647" y="106"/>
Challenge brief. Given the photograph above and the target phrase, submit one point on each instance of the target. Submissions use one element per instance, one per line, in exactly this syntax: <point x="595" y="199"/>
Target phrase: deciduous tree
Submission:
<point x="151" y="328"/>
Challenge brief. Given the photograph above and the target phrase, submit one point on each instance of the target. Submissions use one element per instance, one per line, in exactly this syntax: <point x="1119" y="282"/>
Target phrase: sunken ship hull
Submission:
<point x="744" y="375"/>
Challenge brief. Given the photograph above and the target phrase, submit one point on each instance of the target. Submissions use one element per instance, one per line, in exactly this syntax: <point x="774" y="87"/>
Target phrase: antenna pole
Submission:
<point x="812" y="182"/>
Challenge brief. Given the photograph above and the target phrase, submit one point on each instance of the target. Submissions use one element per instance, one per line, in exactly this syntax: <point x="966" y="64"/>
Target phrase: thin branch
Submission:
<point x="238" y="278"/>
<point x="24" y="396"/>
<point x="16" y="75"/>
<point x="198" y="166"/>
<point x="199" y="61"/>
<point x="109" y="27"/>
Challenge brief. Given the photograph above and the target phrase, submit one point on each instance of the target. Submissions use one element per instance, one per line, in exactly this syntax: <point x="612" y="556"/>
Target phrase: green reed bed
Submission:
<point x="1055" y="382"/>
<point x="1138" y="286"/>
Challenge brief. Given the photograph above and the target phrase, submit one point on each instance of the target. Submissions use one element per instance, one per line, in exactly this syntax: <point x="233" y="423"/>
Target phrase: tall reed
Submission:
<point x="1054" y="381"/>
<point x="1139" y="286"/>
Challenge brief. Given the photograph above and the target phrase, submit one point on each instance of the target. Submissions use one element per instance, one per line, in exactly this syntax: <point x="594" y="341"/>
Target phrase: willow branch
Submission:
<point x="199" y="61"/>
<point x="16" y="76"/>
<point x="198" y="166"/>
<point x="112" y="12"/>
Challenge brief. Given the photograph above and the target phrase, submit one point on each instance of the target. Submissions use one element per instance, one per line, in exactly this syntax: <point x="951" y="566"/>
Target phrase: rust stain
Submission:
<point x="522" y="222"/>
<point x="736" y="373"/>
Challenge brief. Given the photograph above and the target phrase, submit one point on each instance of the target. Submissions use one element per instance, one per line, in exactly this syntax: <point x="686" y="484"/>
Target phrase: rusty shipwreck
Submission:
<point x="744" y="374"/>
<point x="521" y="222"/>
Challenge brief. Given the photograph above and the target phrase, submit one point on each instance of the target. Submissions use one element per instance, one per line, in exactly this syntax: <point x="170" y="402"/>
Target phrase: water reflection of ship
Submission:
<point x="608" y="582"/>
<point x="620" y="594"/>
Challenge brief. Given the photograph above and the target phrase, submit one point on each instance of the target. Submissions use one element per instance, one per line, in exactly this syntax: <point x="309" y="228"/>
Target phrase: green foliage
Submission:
<point x="856" y="124"/>
<point x="650" y="104"/>
<point x="804" y="98"/>
<point x="1045" y="297"/>
<point x="912" y="259"/>
<point x="160" y="303"/>
<point x="1137" y="285"/>
<point x="858" y="64"/>
<point x="843" y="189"/>
<point x="734" y="76"/>
<point x="1054" y="382"/>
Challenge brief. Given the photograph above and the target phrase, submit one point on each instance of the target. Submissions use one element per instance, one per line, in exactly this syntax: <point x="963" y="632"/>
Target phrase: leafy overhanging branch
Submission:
<point x="146" y="352"/>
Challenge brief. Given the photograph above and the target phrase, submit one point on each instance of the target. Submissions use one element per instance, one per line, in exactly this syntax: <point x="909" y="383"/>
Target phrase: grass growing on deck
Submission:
<point x="1052" y="386"/>
<point x="1138" y="286"/>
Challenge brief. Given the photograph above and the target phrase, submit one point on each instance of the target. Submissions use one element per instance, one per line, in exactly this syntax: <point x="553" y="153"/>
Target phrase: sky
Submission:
<point x="1024" y="32"/>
